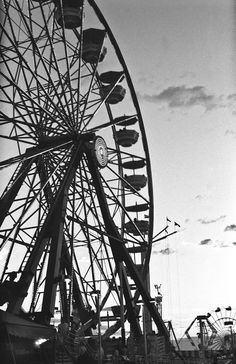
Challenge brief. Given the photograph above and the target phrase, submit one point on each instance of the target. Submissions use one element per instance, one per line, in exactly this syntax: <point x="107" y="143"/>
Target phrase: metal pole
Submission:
<point x="122" y="306"/>
<point x="145" y="336"/>
<point x="99" y="329"/>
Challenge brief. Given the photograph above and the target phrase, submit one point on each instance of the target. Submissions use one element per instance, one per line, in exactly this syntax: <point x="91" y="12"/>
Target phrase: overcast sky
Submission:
<point x="181" y="56"/>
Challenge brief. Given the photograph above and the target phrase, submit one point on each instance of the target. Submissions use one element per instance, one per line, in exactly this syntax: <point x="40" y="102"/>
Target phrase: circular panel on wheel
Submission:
<point x="100" y="151"/>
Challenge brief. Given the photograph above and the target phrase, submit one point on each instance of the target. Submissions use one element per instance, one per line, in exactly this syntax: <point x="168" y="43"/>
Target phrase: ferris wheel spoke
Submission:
<point x="85" y="225"/>
<point x="35" y="191"/>
<point x="42" y="241"/>
<point x="117" y="203"/>
<point x="37" y="50"/>
<point x="85" y="102"/>
<point x="92" y="72"/>
<point x="66" y="84"/>
<point x="36" y="60"/>
<point x="18" y="65"/>
<point x="6" y="120"/>
<point x="21" y="95"/>
<point x="18" y="138"/>
<point x="33" y="152"/>
<point x="96" y="260"/>
<point x="37" y="76"/>
<point x="25" y="96"/>
<point x="81" y="289"/>
<point x="101" y="102"/>
<point x="132" y="188"/>
<point x="94" y="228"/>
<point x="100" y="127"/>
<point x="68" y="68"/>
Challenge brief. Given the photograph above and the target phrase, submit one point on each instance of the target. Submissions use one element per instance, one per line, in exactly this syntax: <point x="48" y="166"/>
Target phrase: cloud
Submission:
<point x="216" y="243"/>
<point x="231" y="227"/>
<point x="166" y="251"/>
<point x="206" y="242"/>
<point x="188" y="74"/>
<point x="230" y="102"/>
<point x="199" y="197"/>
<point x="211" y="221"/>
<point x="183" y="96"/>
<point x="224" y="245"/>
<point x="231" y="97"/>
<point x="231" y="133"/>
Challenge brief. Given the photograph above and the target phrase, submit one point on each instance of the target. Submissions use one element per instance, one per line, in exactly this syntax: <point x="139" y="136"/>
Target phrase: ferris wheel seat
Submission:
<point x="126" y="138"/>
<point x="71" y="16"/>
<point x="141" y="225"/>
<point x="94" y="35"/>
<point x="126" y="120"/>
<point x="93" y="50"/>
<point x="111" y="94"/>
<point x="134" y="164"/>
<point x="137" y="208"/>
<point x="136" y="181"/>
<point x="112" y="77"/>
<point x="93" y="53"/>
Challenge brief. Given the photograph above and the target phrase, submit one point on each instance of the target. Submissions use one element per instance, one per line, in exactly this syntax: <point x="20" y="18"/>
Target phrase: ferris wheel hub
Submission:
<point x="100" y="151"/>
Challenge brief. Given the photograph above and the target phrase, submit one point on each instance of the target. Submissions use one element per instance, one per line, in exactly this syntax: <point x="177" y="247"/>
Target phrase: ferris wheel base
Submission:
<point x="21" y="339"/>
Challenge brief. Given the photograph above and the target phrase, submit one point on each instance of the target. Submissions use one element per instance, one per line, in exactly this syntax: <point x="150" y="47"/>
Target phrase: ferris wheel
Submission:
<point x="216" y="330"/>
<point x="76" y="210"/>
<point x="223" y="328"/>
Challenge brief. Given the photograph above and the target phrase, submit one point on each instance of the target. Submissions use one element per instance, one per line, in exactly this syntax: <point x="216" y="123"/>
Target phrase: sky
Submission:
<point x="181" y="56"/>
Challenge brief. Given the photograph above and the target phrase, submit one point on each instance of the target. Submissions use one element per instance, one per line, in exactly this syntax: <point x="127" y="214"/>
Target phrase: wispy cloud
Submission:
<point x="206" y="242"/>
<point x="231" y="97"/>
<point x="188" y="74"/>
<point x="231" y="227"/>
<point x="231" y="133"/>
<point x="224" y="245"/>
<point x="183" y="96"/>
<point x="211" y="221"/>
<point x="217" y="243"/>
<point x="199" y="197"/>
<point x="166" y="251"/>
